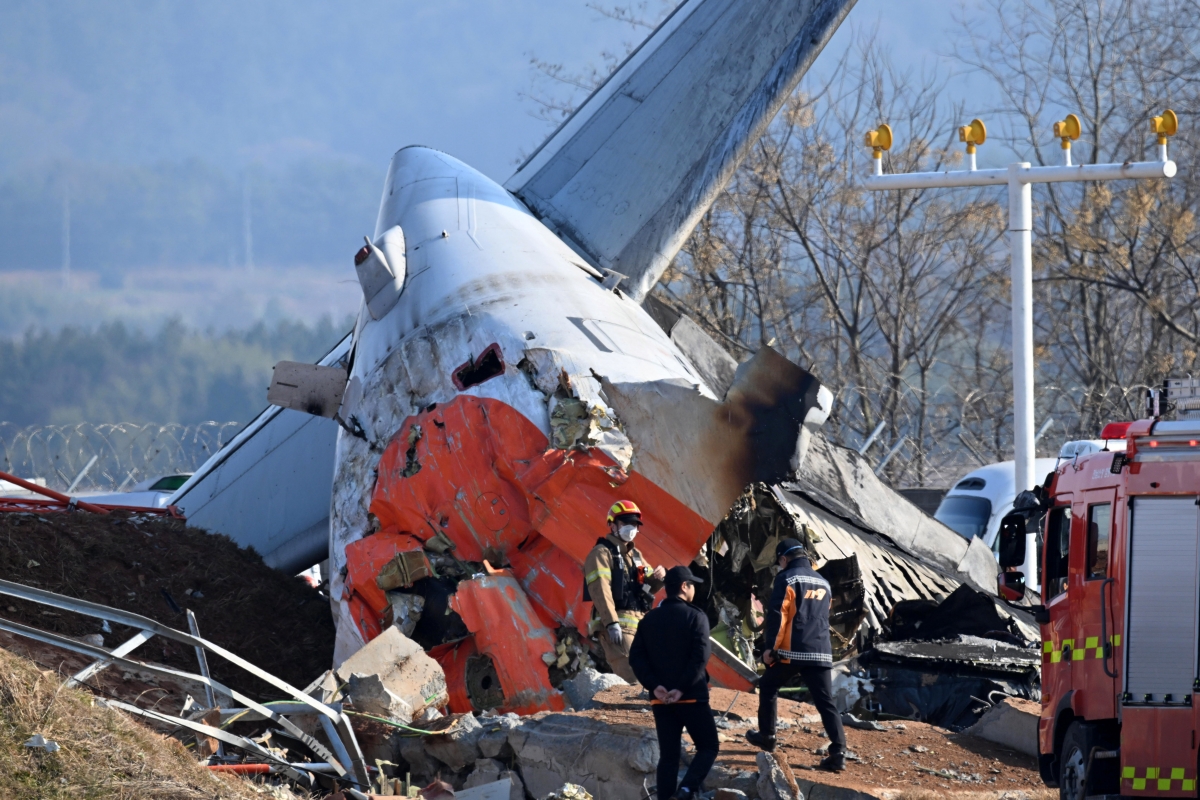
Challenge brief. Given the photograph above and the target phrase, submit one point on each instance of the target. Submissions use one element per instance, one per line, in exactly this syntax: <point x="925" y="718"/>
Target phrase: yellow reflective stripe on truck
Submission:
<point x="1091" y="647"/>
<point x="1164" y="778"/>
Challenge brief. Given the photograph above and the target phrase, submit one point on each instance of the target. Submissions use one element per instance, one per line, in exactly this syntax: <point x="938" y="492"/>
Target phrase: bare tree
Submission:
<point x="874" y="290"/>
<point x="557" y="89"/>
<point x="1116" y="263"/>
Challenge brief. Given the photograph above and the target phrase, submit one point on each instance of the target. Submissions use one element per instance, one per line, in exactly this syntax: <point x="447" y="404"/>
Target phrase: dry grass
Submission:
<point x="103" y="754"/>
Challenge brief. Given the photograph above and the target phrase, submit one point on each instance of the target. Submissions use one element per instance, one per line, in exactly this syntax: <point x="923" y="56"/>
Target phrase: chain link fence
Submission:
<point x="107" y="457"/>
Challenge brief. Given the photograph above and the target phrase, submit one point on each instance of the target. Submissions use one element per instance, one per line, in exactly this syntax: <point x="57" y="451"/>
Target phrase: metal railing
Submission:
<point x="345" y="759"/>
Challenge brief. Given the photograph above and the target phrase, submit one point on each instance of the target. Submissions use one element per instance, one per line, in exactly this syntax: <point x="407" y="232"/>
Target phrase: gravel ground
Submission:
<point x="905" y="759"/>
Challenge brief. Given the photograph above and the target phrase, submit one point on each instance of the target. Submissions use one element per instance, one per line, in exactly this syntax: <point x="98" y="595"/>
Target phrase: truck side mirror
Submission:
<point x="1011" y="586"/>
<point x="1012" y="541"/>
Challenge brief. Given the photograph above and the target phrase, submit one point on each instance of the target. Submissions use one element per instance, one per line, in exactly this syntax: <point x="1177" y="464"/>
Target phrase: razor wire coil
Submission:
<point x="126" y="452"/>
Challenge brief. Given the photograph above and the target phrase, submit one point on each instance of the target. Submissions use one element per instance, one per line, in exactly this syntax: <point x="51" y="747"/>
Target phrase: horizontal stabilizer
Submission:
<point x="625" y="179"/>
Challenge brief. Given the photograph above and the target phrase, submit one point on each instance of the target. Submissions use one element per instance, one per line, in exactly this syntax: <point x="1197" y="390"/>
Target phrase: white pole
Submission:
<point x="1020" y="243"/>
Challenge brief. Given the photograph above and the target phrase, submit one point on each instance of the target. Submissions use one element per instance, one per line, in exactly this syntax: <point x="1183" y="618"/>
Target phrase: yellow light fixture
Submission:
<point x="879" y="140"/>
<point x="974" y="134"/>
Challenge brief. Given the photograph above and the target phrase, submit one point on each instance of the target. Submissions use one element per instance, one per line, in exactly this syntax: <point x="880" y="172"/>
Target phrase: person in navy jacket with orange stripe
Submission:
<point x="797" y="645"/>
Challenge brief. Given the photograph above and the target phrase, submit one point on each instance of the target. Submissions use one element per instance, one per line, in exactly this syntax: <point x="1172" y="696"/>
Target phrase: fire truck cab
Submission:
<point x="1120" y="576"/>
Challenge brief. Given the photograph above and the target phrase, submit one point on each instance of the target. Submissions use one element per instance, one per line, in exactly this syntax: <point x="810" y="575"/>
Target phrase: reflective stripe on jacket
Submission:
<point x="609" y="582"/>
<point x="797" y="624"/>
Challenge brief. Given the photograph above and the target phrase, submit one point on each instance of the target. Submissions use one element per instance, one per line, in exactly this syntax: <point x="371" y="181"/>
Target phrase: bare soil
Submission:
<point x="907" y="759"/>
<point x="274" y="620"/>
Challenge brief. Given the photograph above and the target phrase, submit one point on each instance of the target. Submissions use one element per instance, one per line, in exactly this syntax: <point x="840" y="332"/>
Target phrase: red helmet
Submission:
<point x="623" y="508"/>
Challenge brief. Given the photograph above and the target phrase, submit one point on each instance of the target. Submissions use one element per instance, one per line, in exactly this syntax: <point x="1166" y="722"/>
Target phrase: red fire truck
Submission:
<point x="1120" y="577"/>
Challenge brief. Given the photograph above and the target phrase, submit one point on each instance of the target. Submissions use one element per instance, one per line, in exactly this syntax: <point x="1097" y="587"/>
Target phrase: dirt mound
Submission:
<point x="135" y="564"/>
<point x="100" y="752"/>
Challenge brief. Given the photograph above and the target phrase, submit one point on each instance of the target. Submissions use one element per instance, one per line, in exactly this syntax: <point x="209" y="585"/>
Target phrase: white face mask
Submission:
<point x="627" y="532"/>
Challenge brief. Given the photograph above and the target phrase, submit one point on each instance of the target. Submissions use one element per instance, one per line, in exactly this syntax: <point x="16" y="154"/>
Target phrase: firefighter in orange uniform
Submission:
<point x="797" y="645"/>
<point x="620" y="585"/>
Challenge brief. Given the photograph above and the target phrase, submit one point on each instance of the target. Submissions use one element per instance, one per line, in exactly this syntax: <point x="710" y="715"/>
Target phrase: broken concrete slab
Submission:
<point x="393" y="677"/>
<point x="729" y="794"/>
<point x="493" y="742"/>
<point x="814" y="790"/>
<point x="611" y="761"/>
<point x="722" y="778"/>
<point x="488" y="773"/>
<point x="775" y="779"/>
<point x="423" y="766"/>
<point x="458" y="748"/>
<point x="583" y="687"/>
<point x="1012" y="722"/>
<point x="503" y="789"/>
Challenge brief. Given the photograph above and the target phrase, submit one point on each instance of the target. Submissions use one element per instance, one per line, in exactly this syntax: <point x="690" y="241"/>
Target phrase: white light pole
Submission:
<point x="1019" y="177"/>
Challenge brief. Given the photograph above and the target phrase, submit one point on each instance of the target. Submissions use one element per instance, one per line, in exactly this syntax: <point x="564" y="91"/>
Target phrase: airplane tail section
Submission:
<point x="625" y="179"/>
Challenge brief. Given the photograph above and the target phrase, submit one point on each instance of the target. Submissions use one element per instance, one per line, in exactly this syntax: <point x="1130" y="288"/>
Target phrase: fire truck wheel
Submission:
<point x="1073" y="784"/>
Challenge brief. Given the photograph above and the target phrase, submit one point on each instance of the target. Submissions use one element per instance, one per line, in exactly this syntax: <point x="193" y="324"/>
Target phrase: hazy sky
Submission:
<point x="235" y="82"/>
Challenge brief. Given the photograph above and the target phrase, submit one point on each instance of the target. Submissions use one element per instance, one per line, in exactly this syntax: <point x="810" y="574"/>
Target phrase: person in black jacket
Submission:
<point x="668" y="655"/>
<point x="797" y="644"/>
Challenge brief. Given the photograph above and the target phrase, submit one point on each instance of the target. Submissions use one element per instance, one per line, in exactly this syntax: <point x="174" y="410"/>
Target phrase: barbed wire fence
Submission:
<point x="956" y="430"/>
<point x="124" y="452"/>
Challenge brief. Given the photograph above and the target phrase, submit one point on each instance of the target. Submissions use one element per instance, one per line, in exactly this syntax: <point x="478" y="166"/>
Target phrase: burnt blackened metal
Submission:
<point x="951" y="682"/>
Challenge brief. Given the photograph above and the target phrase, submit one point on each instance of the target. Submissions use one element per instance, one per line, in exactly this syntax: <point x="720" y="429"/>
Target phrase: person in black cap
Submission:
<point x="668" y="655"/>
<point x="797" y="644"/>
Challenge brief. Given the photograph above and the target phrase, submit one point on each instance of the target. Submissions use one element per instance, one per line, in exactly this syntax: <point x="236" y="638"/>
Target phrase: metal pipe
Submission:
<point x="1045" y="427"/>
<point x="895" y="449"/>
<point x="53" y="495"/>
<point x="123" y="649"/>
<point x="1097" y="172"/>
<point x="209" y="694"/>
<point x="871" y="439"/>
<point x="935" y="180"/>
<point x="98" y="611"/>
<point x="82" y="473"/>
<point x="157" y="669"/>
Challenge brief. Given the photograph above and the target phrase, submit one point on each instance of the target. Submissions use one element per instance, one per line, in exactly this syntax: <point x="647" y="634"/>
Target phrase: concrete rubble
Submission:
<point x="583" y="687"/>
<point x="393" y="677"/>
<point x="776" y="781"/>
<point x="1012" y="723"/>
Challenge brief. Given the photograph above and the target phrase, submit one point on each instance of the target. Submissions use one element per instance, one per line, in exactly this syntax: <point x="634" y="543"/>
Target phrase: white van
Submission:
<point x="975" y="505"/>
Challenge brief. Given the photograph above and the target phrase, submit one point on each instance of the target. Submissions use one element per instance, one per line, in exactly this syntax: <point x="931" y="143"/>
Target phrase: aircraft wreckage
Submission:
<point x="505" y="383"/>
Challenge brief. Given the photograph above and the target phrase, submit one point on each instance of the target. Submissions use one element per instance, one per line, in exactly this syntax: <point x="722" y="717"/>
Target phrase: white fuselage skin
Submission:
<point x="480" y="269"/>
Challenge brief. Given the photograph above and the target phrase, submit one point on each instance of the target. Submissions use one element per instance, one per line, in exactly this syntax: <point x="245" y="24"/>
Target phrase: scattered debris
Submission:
<point x="583" y="687"/>
<point x="97" y="748"/>
<point x="569" y="791"/>
<point x="393" y="678"/>
<point x="41" y="742"/>
<point x="1012" y="723"/>
<point x="776" y="781"/>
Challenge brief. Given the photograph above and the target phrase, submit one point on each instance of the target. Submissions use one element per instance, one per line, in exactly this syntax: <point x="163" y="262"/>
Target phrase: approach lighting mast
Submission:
<point x="1018" y="177"/>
